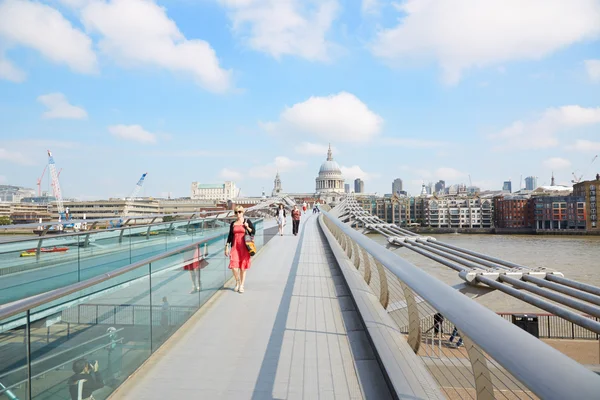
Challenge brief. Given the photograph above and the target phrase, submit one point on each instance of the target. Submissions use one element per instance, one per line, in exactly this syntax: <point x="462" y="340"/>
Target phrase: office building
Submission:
<point x="359" y="186"/>
<point x="397" y="186"/>
<point x="14" y="194"/>
<point x="531" y="183"/>
<point x="507" y="186"/>
<point x="346" y="188"/>
<point x="440" y="187"/>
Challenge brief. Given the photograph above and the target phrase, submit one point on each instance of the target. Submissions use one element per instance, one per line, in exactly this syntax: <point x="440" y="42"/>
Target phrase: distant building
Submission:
<point x="429" y="188"/>
<point x="38" y="199"/>
<point x="277" y="189"/>
<point x="223" y="192"/>
<point x="397" y="186"/>
<point x="507" y="186"/>
<point x="456" y="212"/>
<point x="589" y="191"/>
<point x="14" y="194"/>
<point x="559" y="212"/>
<point x="107" y="208"/>
<point x="330" y="181"/>
<point x="440" y="187"/>
<point x="473" y="189"/>
<point x="346" y="188"/>
<point x="530" y="183"/>
<point x="512" y="212"/>
<point x="359" y="186"/>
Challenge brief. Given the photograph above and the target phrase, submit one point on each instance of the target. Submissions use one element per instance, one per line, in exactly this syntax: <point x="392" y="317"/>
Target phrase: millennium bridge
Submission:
<point x="327" y="314"/>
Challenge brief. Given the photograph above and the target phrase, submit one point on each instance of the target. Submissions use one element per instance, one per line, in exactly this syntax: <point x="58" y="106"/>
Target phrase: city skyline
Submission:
<point x="214" y="91"/>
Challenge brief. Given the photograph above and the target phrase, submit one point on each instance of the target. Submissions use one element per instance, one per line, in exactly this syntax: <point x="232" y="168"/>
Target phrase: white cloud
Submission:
<point x="313" y="149"/>
<point x="338" y="118"/>
<point x="353" y="172"/>
<point x="585" y="146"/>
<point x="230" y="174"/>
<point x="291" y="27"/>
<point x="59" y="107"/>
<point x="555" y="163"/>
<point x="593" y="69"/>
<point x="542" y="132"/>
<point x="463" y="34"/>
<point x="9" y="72"/>
<point x="370" y="6"/>
<point x="449" y="174"/>
<point x="14" y="157"/>
<point x="413" y="143"/>
<point x="132" y="132"/>
<point x="139" y="33"/>
<point x="41" y="27"/>
<point x="281" y="164"/>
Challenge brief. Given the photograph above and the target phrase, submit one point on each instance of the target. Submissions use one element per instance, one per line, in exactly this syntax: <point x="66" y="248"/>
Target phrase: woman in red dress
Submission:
<point x="239" y="256"/>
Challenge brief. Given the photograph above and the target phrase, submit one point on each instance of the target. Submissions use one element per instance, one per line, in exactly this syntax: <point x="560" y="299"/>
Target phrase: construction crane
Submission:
<point x="39" y="181"/>
<point x="577" y="179"/>
<point x="131" y="198"/>
<point x="56" y="187"/>
<point x="129" y="201"/>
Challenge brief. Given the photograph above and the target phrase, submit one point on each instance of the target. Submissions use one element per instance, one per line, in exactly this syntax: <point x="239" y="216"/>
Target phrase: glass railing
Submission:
<point x="117" y="320"/>
<point x="32" y="266"/>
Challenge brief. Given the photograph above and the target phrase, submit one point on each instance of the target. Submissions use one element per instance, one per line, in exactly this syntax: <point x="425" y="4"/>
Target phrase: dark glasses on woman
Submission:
<point x="239" y="212"/>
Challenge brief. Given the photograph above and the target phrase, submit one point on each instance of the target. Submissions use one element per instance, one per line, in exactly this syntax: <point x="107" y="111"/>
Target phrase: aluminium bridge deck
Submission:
<point x="293" y="334"/>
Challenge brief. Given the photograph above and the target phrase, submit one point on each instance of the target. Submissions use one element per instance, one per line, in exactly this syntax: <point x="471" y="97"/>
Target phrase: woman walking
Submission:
<point x="239" y="261"/>
<point x="295" y="220"/>
<point x="280" y="218"/>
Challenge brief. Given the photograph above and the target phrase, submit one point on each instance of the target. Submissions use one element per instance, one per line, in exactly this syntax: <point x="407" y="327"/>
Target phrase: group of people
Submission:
<point x="241" y="230"/>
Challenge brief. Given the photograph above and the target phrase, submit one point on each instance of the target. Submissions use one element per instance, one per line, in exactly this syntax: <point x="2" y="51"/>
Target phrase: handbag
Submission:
<point x="249" y="239"/>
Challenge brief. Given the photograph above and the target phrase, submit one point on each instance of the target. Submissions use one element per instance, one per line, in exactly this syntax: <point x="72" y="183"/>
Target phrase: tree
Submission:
<point x="5" y="220"/>
<point x="168" y="218"/>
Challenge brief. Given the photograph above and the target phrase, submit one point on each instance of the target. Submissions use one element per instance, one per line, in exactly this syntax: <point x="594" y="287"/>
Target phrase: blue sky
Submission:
<point x="209" y="90"/>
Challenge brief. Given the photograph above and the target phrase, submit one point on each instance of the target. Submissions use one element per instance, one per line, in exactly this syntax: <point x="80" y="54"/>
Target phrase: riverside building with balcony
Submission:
<point x="589" y="190"/>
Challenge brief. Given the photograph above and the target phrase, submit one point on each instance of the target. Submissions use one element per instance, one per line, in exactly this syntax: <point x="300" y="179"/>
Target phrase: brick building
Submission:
<point x="589" y="190"/>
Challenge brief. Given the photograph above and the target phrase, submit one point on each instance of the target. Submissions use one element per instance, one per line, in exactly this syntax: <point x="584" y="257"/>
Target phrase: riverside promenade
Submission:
<point x="293" y="334"/>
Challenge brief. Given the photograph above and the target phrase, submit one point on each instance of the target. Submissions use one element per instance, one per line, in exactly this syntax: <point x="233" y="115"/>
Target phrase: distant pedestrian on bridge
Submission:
<point x="295" y="220"/>
<point x="304" y="206"/>
<point x="239" y="255"/>
<point x="281" y="216"/>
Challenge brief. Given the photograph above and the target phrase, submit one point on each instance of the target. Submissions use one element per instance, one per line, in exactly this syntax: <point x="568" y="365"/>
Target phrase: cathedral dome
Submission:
<point x="330" y="179"/>
<point x="330" y="166"/>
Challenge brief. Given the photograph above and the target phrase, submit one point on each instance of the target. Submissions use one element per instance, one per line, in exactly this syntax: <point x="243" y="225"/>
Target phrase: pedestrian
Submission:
<point x="455" y="334"/>
<point x="295" y="220"/>
<point x="239" y="255"/>
<point x="304" y="206"/>
<point x="280" y="215"/>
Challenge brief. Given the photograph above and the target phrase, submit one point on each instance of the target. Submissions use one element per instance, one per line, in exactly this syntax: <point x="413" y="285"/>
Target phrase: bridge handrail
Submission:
<point x="545" y="371"/>
<point x="11" y="309"/>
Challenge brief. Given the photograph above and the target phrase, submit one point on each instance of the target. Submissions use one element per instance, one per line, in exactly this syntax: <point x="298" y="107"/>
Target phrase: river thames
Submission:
<point x="577" y="257"/>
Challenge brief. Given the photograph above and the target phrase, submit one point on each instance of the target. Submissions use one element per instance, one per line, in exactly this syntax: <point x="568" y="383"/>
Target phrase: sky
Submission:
<point x="469" y="91"/>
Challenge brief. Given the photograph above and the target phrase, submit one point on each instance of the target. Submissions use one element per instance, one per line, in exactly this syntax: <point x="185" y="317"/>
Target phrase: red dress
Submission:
<point x="240" y="257"/>
<point x="194" y="263"/>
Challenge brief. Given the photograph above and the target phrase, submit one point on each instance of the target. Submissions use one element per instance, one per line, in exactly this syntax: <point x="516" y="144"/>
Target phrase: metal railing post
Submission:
<point x="384" y="294"/>
<point x="414" y="321"/>
<point x="367" y="266"/>
<point x="483" y="381"/>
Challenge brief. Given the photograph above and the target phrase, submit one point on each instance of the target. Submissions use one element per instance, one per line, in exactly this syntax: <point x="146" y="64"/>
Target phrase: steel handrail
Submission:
<point x="11" y="309"/>
<point x="94" y="232"/>
<point x="200" y="214"/>
<point x="545" y="371"/>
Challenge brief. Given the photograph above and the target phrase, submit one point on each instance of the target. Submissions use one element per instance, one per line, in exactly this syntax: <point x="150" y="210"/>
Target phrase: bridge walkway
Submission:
<point x="293" y="334"/>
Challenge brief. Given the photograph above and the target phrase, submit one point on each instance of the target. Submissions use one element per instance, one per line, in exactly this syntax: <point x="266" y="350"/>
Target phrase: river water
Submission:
<point x="577" y="257"/>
